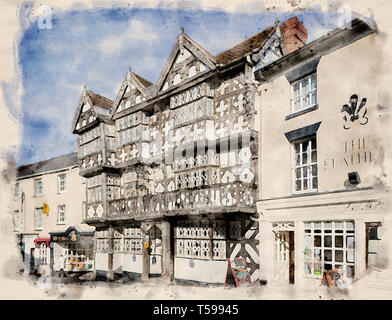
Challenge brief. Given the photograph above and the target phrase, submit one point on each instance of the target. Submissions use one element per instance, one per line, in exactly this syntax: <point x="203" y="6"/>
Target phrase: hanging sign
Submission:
<point x="147" y="245"/>
<point x="238" y="270"/>
<point x="45" y="208"/>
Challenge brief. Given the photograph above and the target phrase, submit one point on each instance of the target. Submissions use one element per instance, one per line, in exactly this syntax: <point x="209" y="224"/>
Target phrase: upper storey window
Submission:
<point x="304" y="93"/>
<point x="38" y="187"/>
<point x="305" y="165"/>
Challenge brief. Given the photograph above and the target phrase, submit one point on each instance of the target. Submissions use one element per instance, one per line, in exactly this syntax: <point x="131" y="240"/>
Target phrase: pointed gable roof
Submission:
<point x="245" y="47"/>
<point x="185" y="42"/>
<point x="93" y="102"/>
<point x="132" y="79"/>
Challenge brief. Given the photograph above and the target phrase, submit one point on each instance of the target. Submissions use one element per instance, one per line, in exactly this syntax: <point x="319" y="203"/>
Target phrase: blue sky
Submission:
<point x="95" y="47"/>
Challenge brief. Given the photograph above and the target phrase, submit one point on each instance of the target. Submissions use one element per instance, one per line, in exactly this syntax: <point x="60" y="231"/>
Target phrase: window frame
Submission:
<point x="16" y="191"/>
<point x="334" y="232"/>
<point x="59" y="180"/>
<point x="16" y="223"/>
<point x="309" y="165"/>
<point x="36" y="189"/>
<point x="36" y="210"/>
<point x="58" y="214"/>
<point x="302" y="95"/>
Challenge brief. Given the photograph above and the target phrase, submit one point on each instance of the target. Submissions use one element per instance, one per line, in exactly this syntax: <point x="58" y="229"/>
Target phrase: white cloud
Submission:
<point x="137" y="30"/>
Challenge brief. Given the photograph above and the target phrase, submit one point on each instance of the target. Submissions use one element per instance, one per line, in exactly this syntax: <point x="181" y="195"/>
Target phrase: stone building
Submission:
<point x="323" y="202"/>
<point x="48" y="196"/>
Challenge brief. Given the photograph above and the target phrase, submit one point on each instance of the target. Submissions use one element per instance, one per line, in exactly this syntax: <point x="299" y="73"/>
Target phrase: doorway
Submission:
<point x="284" y="258"/>
<point x="373" y="241"/>
<point x="155" y="252"/>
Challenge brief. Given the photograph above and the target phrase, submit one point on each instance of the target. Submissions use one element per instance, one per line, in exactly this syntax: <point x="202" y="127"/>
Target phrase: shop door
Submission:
<point x="373" y="241"/>
<point x="155" y="252"/>
<point x="284" y="257"/>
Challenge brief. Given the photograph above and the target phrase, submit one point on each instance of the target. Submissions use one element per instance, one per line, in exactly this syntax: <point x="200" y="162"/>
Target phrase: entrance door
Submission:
<point x="372" y="243"/>
<point x="155" y="252"/>
<point x="284" y="257"/>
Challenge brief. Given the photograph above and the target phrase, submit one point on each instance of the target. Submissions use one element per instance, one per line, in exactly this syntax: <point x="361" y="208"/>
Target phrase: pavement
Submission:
<point x="35" y="288"/>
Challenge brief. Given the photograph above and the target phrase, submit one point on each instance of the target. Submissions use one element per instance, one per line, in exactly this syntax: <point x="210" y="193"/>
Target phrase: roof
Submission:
<point x="99" y="100"/>
<point x="57" y="163"/>
<point x="245" y="47"/>
<point x="143" y="81"/>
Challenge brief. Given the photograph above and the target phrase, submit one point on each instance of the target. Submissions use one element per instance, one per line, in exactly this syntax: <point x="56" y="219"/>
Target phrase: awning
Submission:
<point x="40" y="240"/>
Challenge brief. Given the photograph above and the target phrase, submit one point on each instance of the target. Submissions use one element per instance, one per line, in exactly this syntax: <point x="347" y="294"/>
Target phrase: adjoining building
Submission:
<point x="323" y="193"/>
<point x="48" y="197"/>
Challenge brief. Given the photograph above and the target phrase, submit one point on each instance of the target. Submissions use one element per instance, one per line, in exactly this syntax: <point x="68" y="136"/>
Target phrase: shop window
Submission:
<point x="16" y="191"/>
<point x="62" y="182"/>
<point x="38" y="218"/>
<point x="305" y="165"/>
<point x="38" y="187"/>
<point x="329" y="245"/>
<point x="304" y="93"/>
<point x="61" y="214"/>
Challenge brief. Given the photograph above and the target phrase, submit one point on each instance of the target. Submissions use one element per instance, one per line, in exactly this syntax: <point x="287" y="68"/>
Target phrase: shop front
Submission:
<point x="73" y="250"/>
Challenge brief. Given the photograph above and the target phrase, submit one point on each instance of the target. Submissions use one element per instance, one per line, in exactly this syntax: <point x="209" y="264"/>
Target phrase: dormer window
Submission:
<point x="304" y="93"/>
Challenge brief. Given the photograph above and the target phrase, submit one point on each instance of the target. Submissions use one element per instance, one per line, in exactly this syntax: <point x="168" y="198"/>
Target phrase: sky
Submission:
<point x="95" y="48"/>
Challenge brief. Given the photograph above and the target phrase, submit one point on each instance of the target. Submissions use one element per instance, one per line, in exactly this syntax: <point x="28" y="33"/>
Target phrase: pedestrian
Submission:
<point x="61" y="266"/>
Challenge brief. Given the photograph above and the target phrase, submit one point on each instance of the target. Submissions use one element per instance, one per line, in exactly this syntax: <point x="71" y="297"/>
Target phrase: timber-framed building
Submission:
<point x="171" y="167"/>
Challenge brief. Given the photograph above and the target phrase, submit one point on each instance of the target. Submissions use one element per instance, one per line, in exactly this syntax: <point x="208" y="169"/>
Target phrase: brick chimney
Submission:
<point x="294" y="34"/>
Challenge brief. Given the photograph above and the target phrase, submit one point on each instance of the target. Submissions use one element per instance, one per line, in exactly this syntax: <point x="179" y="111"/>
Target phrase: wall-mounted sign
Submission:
<point x="147" y="245"/>
<point x="45" y="208"/>
<point x="352" y="113"/>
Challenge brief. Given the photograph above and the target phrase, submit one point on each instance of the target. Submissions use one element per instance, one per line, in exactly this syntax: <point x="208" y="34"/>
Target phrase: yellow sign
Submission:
<point x="146" y="245"/>
<point x="45" y="208"/>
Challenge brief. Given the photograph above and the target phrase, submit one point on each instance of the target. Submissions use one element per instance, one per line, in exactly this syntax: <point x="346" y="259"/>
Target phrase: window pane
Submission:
<point x="305" y="171"/>
<point x="317" y="269"/>
<point x="314" y="185"/>
<point x="317" y="241"/>
<point x="339" y="241"/>
<point x="304" y="86"/>
<point x="313" y="81"/>
<point x="328" y="241"/>
<point x="298" y="173"/>
<point x="350" y="242"/>
<point x="297" y="185"/>
<point x="307" y="268"/>
<point x="314" y="170"/>
<point x="305" y="184"/>
<point x="298" y="160"/>
<point x="338" y="256"/>
<point x="327" y="255"/>
<point x="296" y="148"/>
<point x="314" y="156"/>
<point x="304" y="158"/>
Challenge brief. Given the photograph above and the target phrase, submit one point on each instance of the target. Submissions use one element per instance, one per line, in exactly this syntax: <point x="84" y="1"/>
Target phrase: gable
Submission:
<point x="132" y="92"/>
<point x="187" y="61"/>
<point x="87" y="112"/>
<point x="84" y="113"/>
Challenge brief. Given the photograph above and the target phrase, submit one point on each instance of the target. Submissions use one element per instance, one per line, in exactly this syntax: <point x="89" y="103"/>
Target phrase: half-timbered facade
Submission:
<point x="171" y="168"/>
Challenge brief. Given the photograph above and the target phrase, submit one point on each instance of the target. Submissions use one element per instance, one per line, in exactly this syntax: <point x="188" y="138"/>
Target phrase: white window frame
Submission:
<point x="307" y="166"/>
<point x="62" y="182"/>
<point x="303" y="94"/>
<point x="16" y="220"/>
<point x="16" y="190"/>
<point x="61" y="208"/>
<point x="36" y="189"/>
<point x="333" y="233"/>
<point x="36" y="211"/>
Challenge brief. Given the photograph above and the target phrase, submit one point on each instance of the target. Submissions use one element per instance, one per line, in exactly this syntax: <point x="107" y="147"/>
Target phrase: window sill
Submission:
<point x="61" y="223"/>
<point x="301" y="112"/>
<point x="305" y="193"/>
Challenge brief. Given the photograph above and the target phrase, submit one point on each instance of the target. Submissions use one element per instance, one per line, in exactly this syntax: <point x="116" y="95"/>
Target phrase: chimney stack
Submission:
<point x="294" y="34"/>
